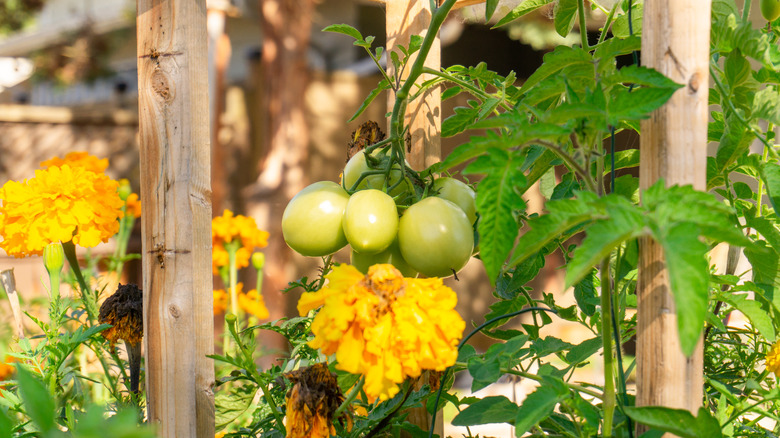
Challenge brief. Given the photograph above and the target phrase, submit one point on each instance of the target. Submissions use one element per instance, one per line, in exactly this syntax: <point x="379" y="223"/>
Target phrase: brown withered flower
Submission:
<point x="312" y="402"/>
<point x="365" y="135"/>
<point x="124" y="311"/>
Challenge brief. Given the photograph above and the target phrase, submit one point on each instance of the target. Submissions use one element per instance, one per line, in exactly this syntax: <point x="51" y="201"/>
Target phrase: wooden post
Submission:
<point x="176" y="224"/>
<point x="405" y="18"/>
<point x="673" y="146"/>
<point x="219" y="58"/>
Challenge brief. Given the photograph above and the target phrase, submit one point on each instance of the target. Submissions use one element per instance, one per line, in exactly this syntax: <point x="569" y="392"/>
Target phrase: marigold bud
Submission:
<point x="53" y="257"/>
<point x="258" y="260"/>
<point x="124" y="189"/>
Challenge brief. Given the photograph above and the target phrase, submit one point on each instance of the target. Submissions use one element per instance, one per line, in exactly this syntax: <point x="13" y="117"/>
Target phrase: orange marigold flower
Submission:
<point x="6" y="369"/>
<point x="312" y="401"/>
<point x="221" y="298"/>
<point x="133" y="206"/>
<point x="227" y="229"/>
<point x="384" y="326"/>
<point x="61" y="203"/>
<point x="252" y="303"/>
<point x="773" y="359"/>
<point x="78" y="159"/>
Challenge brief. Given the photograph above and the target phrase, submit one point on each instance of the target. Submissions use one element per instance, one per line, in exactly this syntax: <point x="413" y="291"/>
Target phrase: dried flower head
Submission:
<point x="384" y="326"/>
<point x="237" y="230"/>
<point x="312" y="402"/>
<point x="59" y="204"/>
<point x="124" y="311"/>
<point x="365" y="135"/>
<point x="78" y="159"/>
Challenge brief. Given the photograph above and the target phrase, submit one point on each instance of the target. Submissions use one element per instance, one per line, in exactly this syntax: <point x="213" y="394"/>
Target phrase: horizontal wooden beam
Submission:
<point x="458" y="4"/>
<point x="64" y="115"/>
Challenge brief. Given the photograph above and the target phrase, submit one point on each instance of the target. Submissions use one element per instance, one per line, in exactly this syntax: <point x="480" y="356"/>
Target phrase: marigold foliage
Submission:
<point x="384" y="326"/>
<point x="773" y="359"/>
<point x="59" y="204"/>
<point x="78" y="159"/>
<point x="226" y="229"/>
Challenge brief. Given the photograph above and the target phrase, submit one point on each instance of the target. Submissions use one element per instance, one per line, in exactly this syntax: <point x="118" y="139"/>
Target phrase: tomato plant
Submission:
<point x="370" y="221"/>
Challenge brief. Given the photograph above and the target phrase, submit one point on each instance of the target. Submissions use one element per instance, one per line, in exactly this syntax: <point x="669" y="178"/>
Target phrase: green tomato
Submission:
<point x="357" y="165"/>
<point x="391" y="255"/>
<point x="435" y="237"/>
<point x="370" y="221"/>
<point x="459" y="193"/>
<point x="312" y="221"/>
<point x="770" y="9"/>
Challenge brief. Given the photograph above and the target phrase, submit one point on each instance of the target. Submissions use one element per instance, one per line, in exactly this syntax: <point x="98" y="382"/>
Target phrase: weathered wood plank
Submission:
<point x="673" y="146"/>
<point x="176" y="222"/>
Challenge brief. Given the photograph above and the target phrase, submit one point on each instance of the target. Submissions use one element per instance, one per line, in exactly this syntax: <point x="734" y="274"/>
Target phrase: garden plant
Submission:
<point x="379" y="336"/>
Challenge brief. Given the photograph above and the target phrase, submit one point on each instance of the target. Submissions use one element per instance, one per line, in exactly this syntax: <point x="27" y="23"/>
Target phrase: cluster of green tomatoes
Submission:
<point x="383" y="221"/>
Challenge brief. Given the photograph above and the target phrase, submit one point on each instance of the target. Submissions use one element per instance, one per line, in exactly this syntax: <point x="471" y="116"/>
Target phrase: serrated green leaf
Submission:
<point x="689" y="276"/>
<point x="608" y="50"/>
<point x="583" y="350"/>
<point x="677" y="421"/>
<point x="554" y="62"/>
<point x="637" y="75"/>
<point x="504" y="307"/>
<point x="38" y="403"/>
<point x="770" y="173"/>
<point x="523" y="8"/>
<point x="344" y="29"/>
<point x="624" y="222"/>
<point x="495" y="409"/>
<point x="383" y="85"/>
<point x="766" y="105"/>
<point x="546" y="346"/>
<point x="458" y="122"/>
<point x="621" y="29"/>
<point x="563" y="215"/>
<point x="230" y="405"/>
<point x="498" y="198"/>
<point x="758" y="316"/>
<point x="450" y="92"/>
<point x="565" y="13"/>
<point x="484" y="371"/>
<point x="539" y="404"/>
<point x="585" y="293"/>
<point x="636" y="104"/>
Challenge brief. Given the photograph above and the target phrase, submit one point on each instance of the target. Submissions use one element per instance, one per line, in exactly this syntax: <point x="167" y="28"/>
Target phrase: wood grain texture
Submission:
<point x="176" y="222"/>
<point x="673" y="146"/>
<point x="423" y="115"/>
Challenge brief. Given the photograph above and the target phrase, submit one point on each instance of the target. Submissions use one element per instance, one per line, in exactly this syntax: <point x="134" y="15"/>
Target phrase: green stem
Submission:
<point x="608" y="23"/>
<point x="463" y="84"/>
<point x="746" y="10"/>
<point x="233" y="276"/>
<point x="272" y="405"/>
<point x="350" y="397"/>
<point x="583" y="25"/>
<point x="571" y="162"/>
<point x="606" y="337"/>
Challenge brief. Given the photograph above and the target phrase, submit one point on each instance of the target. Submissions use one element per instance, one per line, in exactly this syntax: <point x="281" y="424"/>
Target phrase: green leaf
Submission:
<point x="485" y="371"/>
<point x="383" y="85"/>
<point x="758" y="316"/>
<point x="230" y="405"/>
<point x="495" y="409"/>
<point x="563" y="215"/>
<point x="459" y="121"/>
<point x="771" y="176"/>
<point x="344" y="29"/>
<point x="608" y="50"/>
<point x="523" y="8"/>
<point x="555" y="61"/>
<point x="38" y="403"/>
<point x="636" y="105"/>
<point x="634" y="74"/>
<point x="584" y="350"/>
<point x="498" y="198"/>
<point x="504" y="307"/>
<point x="620" y="27"/>
<point x="6" y="426"/>
<point x="677" y="421"/>
<point x="546" y="346"/>
<point x="565" y="13"/>
<point x="766" y="105"/>
<point x="689" y="276"/>
<point x="539" y="404"/>
<point x="624" y="222"/>
<point x="585" y="293"/>
<point x="490" y="8"/>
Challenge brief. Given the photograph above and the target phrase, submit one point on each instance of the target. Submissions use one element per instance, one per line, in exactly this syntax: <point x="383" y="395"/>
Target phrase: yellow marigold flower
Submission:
<point x="133" y="206"/>
<point x="228" y="228"/>
<point x="773" y="359"/>
<point x="6" y="369"/>
<point x="221" y="298"/>
<point x="312" y="401"/>
<point x="59" y="204"/>
<point x="384" y="326"/>
<point x="252" y="303"/>
<point x="79" y="159"/>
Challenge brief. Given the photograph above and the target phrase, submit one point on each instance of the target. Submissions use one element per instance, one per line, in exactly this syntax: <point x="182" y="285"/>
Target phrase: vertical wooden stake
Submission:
<point x="675" y="41"/>
<point x="9" y="284"/>
<point x="423" y="117"/>
<point x="176" y="225"/>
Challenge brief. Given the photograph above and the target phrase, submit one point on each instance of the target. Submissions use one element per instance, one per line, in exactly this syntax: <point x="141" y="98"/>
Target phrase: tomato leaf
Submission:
<point x="523" y="8"/>
<point x="565" y="13"/>
<point x="539" y="404"/>
<point x="498" y="200"/>
<point x="495" y="409"/>
<point x="677" y="421"/>
<point x="555" y="61"/>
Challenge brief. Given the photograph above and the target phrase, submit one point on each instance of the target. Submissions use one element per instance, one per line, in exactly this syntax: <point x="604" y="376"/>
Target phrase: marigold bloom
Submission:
<point x="221" y="299"/>
<point x="384" y="326"/>
<point x="78" y="159"/>
<point x="312" y="401"/>
<point x="6" y="369"/>
<point x="133" y="206"/>
<point x="228" y="228"/>
<point x="773" y="359"/>
<point x="252" y="303"/>
<point x="59" y="204"/>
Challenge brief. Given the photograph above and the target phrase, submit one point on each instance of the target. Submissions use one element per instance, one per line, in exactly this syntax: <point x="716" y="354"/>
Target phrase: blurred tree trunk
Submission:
<point x="286" y="26"/>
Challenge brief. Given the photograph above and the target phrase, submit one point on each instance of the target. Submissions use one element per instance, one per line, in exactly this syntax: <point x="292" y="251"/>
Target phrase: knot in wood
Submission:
<point x="174" y="311"/>
<point x="694" y="82"/>
<point x="161" y="86"/>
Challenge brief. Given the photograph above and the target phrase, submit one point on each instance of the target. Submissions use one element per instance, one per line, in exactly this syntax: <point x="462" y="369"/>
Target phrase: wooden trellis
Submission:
<point x="175" y="186"/>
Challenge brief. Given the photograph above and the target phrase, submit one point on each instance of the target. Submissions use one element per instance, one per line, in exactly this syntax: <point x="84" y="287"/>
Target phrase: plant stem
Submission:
<point x="608" y="400"/>
<point x="608" y="23"/>
<point x="274" y="409"/>
<point x="583" y="25"/>
<point x="350" y="397"/>
<point x="573" y="164"/>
